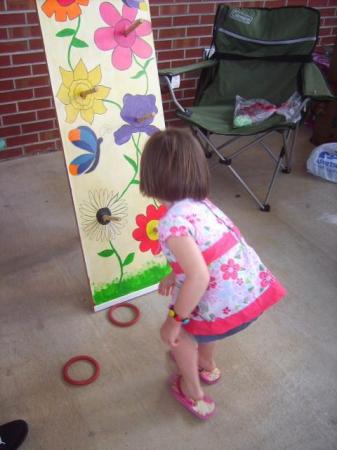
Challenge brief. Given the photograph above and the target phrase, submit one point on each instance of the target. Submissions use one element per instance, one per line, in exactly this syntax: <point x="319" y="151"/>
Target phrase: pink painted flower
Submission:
<point x="266" y="278"/>
<point x="212" y="283"/>
<point x="113" y="37"/>
<point x="239" y="281"/>
<point x="230" y="270"/>
<point x="179" y="231"/>
<point x="226" y="310"/>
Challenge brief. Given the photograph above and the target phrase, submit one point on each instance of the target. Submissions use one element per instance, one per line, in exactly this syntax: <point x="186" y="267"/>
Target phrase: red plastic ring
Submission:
<point x="124" y="324"/>
<point x="75" y="359"/>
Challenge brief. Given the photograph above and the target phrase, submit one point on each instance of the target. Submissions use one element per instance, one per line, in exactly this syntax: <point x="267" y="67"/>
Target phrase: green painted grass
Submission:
<point x="141" y="280"/>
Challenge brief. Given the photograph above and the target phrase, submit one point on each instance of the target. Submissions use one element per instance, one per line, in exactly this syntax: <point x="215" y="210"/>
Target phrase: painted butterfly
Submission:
<point x="84" y="138"/>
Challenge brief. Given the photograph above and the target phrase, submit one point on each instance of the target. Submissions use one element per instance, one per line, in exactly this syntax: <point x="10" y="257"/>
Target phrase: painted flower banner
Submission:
<point x="104" y="77"/>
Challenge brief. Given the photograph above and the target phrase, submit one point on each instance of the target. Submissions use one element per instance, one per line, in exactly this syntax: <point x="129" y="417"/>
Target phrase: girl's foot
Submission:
<point x="203" y="408"/>
<point x="207" y="376"/>
<point x="210" y="376"/>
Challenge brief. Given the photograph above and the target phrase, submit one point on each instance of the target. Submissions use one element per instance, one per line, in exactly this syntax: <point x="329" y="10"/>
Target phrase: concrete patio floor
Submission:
<point x="279" y="385"/>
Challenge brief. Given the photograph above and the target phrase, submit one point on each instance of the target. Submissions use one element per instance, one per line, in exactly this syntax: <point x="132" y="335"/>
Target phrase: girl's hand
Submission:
<point x="166" y="285"/>
<point x="170" y="331"/>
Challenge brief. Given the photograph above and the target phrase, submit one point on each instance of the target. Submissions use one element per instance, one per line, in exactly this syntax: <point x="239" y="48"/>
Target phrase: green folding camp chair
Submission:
<point x="258" y="53"/>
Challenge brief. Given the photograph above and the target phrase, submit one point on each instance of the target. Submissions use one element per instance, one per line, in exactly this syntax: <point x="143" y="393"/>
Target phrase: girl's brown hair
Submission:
<point x="173" y="167"/>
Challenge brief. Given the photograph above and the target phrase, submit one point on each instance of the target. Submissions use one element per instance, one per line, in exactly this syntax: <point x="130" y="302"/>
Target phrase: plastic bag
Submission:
<point x="247" y="112"/>
<point x="323" y="162"/>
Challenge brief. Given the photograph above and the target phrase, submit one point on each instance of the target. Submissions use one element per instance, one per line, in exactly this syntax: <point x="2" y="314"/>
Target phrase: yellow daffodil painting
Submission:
<point x="82" y="93"/>
<point x="103" y="73"/>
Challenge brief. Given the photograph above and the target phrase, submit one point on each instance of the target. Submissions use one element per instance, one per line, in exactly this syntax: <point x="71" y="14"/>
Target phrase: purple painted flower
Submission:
<point x="138" y="112"/>
<point x="139" y="4"/>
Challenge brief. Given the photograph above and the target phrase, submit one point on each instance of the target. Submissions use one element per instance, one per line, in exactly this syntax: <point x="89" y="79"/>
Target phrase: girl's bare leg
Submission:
<point x="206" y="356"/>
<point x="186" y="357"/>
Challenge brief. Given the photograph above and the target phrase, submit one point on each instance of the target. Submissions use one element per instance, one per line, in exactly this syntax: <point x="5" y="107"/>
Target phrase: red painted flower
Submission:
<point x="226" y="310"/>
<point x="212" y="283"/>
<point x="266" y="278"/>
<point x="230" y="270"/>
<point x="147" y="231"/>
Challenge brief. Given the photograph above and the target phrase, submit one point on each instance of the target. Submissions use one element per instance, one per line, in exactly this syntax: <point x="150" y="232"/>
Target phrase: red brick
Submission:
<point x="200" y="31"/>
<point x="205" y="41"/>
<point x="154" y="11"/>
<point x="6" y="85"/>
<point x="164" y="65"/>
<point x="163" y="45"/>
<point x="33" y="105"/>
<point x="253" y="4"/>
<point x="7" y="108"/>
<point x="173" y="54"/>
<point x="329" y="40"/>
<point x="24" y="32"/>
<point x="15" y="119"/>
<point x="3" y="34"/>
<point x="41" y="147"/>
<point x="161" y="22"/>
<point x="188" y="83"/>
<point x="325" y="31"/>
<point x="43" y="92"/>
<point x="40" y="69"/>
<point x="186" y="20"/>
<point x="276" y="3"/>
<point x="32" y="18"/>
<point x="9" y="131"/>
<point x="189" y="93"/>
<point x="12" y="19"/>
<point x="194" y="53"/>
<point x="29" y="58"/>
<point x="20" y="5"/>
<point x="13" y="153"/>
<point x="166" y="33"/>
<point x="332" y="2"/>
<point x="330" y="21"/>
<point x="13" y="46"/>
<point x="49" y="135"/>
<point x="13" y="96"/>
<point x="173" y="10"/>
<point x="5" y="60"/>
<point x="314" y="3"/>
<point x="207" y="19"/>
<point x="15" y="72"/>
<point x="37" y="126"/>
<point x="32" y="82"/>
<point x="36" y="44"/>
<point x="326" y="12"/>
<point x="203" y="8"/>
<point x="46" y="114"/>
<point x="185" y="43"/>
<point x="21" y="140"/>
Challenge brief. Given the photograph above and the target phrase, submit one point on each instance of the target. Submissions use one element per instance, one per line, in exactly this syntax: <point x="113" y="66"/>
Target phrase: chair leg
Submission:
<point x="204" y="143"/>
<point x="292" y="137"/>
<point x="276" y="170"/>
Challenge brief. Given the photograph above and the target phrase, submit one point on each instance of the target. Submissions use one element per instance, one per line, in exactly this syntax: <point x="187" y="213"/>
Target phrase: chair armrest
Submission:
<point x="314" y="84"/>
<point x="170" y="72"/>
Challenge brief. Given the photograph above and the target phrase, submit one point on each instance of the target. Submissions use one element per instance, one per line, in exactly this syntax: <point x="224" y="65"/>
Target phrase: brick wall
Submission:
<point x="182" y="28"/>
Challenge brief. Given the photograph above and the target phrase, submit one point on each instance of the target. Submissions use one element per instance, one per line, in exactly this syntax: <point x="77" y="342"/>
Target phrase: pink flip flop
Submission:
<point x="209" y="376"/>
<point x="204" y="409"/>
<point x="206" y="376"/>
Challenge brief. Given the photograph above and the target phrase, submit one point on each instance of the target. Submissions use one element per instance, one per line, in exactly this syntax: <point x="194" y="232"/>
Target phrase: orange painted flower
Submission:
<point x="147" y="231"/>
<point x="63" y="9"/>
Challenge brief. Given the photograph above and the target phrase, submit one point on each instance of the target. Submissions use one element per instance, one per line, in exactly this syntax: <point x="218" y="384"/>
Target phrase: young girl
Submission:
<point x="219" y="286"/>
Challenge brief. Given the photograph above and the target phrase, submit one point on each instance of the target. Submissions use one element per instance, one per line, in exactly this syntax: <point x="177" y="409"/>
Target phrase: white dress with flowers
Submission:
<point x="240" y="287"/>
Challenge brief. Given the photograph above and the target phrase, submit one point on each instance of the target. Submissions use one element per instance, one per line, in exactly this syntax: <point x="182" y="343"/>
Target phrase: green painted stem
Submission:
<point x="71" y="42"/>
<point x="146" y="75"/>
<point x="113" y="103"/>
<point x="120" y="262"/>
<point x="138" y="153"/>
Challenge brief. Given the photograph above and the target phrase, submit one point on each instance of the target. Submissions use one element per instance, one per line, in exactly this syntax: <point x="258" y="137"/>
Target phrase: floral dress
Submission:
<point x="240" y="287"/>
